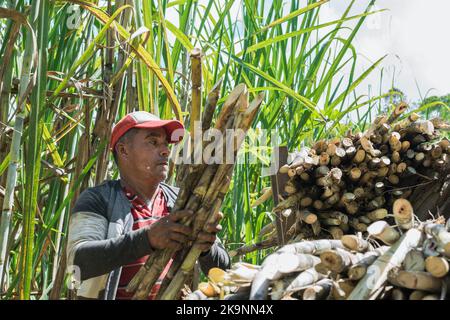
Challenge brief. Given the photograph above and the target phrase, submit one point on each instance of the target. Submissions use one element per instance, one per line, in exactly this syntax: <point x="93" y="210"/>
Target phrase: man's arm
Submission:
<point x="89" y="250"/>
<point x="217" y="256"/>
<point x="95" y="255"/>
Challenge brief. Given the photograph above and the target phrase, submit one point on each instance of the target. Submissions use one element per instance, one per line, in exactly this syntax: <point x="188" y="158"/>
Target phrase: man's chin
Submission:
<point x="164" y="174"/>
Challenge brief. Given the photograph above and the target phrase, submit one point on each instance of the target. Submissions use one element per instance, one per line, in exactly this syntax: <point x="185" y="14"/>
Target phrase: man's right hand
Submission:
<point x="168" y="233"/>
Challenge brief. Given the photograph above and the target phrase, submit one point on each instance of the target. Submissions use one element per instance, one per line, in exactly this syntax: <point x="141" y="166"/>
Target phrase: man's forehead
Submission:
<point x="154" y="132"/>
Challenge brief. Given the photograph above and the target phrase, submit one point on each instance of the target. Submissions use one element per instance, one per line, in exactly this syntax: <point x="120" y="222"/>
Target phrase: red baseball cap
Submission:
<point x="146" y="120"/>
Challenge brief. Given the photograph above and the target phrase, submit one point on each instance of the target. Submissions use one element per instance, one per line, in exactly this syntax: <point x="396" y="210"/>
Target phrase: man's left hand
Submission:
<point x="207" y="237"/>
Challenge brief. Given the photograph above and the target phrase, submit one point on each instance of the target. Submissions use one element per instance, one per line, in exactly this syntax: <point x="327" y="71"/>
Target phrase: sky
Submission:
<point x="415" y="36"/>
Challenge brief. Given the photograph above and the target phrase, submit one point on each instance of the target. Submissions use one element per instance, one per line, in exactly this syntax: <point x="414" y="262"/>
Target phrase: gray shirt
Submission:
<point x="101" y="240"/>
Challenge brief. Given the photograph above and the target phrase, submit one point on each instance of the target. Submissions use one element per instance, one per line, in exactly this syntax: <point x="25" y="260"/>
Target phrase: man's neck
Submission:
<point x="144" y="189"/>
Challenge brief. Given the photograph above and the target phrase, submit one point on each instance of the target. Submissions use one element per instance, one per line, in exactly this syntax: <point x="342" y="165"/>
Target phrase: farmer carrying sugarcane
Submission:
<point x="116" y="225"/>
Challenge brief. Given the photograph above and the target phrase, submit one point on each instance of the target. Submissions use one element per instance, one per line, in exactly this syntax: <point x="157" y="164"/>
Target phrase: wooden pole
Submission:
<point x="278" y="182"/>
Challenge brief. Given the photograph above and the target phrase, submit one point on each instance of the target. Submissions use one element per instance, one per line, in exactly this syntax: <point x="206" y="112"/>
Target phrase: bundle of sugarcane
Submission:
<point x="202" y="191"/>
<point x="413" y="266"/>
<point x="342" y="185"/>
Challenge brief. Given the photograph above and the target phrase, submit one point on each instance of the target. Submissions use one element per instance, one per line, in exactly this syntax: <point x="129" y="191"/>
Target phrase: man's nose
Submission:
<point x="165" y="151"/>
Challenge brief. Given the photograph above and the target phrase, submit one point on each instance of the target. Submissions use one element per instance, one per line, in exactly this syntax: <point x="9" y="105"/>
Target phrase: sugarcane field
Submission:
<point x="224" y="151"/>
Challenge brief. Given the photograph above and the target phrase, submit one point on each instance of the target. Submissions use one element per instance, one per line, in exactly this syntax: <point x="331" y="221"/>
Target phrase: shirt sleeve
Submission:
<point x="217" y="257"/>
<point x="89" y="250"/>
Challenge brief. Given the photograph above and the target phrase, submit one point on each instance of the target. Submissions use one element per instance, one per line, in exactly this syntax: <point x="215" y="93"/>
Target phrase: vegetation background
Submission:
<point x="70" y="69"/>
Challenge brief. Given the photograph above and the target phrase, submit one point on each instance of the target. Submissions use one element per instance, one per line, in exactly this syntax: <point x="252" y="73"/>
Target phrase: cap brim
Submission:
<point x="169" y="125"/>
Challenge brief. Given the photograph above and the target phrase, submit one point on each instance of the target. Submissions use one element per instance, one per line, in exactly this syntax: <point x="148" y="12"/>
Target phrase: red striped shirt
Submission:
<point x="142" y="216"/>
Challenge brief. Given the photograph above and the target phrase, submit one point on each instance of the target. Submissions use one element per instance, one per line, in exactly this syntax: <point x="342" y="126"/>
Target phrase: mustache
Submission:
<point x="163" y="161"/>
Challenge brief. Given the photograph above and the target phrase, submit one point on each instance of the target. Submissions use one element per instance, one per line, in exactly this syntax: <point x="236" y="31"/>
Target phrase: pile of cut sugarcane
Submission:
<point x="343" y="185"/>
<point x="414" y="267"/>
<point x="202" y="190"/>
<point x="352" y="228"/>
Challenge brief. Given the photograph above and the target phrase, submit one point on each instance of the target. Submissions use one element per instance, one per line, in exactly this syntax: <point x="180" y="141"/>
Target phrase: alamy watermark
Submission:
<point x="231" y="146"/>
<point x="74" y="17"/>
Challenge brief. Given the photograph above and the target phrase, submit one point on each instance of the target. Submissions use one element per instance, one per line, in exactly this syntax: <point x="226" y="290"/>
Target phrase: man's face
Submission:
<point x="146" y="154"/>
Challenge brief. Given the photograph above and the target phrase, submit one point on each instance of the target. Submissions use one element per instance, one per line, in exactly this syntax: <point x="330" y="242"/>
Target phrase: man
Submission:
<point x="116" y="225"/>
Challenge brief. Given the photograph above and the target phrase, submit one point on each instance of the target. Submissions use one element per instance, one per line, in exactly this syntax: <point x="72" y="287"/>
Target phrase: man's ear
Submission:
<point x="121" y="150"/>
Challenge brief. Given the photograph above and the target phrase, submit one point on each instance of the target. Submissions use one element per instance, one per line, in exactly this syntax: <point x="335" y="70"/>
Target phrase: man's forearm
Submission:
<point x="217" y="256"/>
<point x="94" y="255"/>
<point x="89" y="250"/>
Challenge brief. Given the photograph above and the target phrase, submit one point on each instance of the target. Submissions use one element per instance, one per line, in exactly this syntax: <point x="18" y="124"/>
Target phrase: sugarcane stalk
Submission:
<point x="183" y="270"/>
<point x="240" y="295"/>
<point x="377" y="273"/>
<point x="28" y="78"/>
<point x="441" y="235"/>
<point x="355" y="243"/>
<point x="399" y="109"/>
<point x="364" y="219"/>
<point x="414" y="261"/>
<point x="267" y="229"/>
<point x="318" y="291"/>
<point x="417" y="295"/>
<point x="322" y="268"/>
<point x="336" y="215"/>
<point x="306" y="202"/>
<point x="210" y="106"/>
<point x="288" y="202"/>
<point x="316" y="228"/>
<point x="415" y="280"/>
<point x="196" y="295"/>
<point x="242" y="272"/>
<point x="359" y="269"/>
<point x="306" y="216"/>
<point x="290" y="188"/>
<point x="352" y="207"/>
<point x="405" y="122"/>
<point x="437" y="266"/>
<point x="357" y="225"/>
<point x="266" y="194"/>
<point x="264" y="244"/>
<point x="381" y="230"/>
<point x="305" y="278"/>
<point x="209" y="289"/>
<point x="276" y="266"/>
<point x="398" y="294"/>
<point x="260" y="287"/>
<point x="146" y="277"/>
<point x="184" y="262"/>
<point x="176" y="263"/>
<point x="339" y="260"/>
<point x="148" y="274"/>
<point x="284" y="169"/>
<point x="314" y="247"/>
<point x="223" y="122"/>
<point x="336" y="232"/>
<point x="279" y="286"/>
<point x="185" y="259"/>
<point x="8" y="200"/>
<point x="403" y="213"/>
<point x="359" y="156"/>
<point x="223" y="174"/>
<point x="289" y="262"/>
<point x="342" y="289"/>
<point x="228" y="106"/>
<point x="421" y="127"/>
<point x="431" y="297"/>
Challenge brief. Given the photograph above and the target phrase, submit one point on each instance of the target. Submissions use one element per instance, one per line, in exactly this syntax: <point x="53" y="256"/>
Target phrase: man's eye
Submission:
<point x="152" y="142"/>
